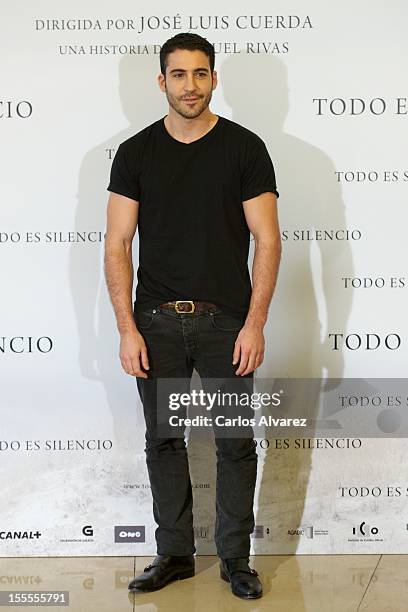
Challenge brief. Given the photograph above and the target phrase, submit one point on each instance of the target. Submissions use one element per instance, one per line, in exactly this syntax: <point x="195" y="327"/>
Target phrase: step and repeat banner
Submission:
<point x="326" y="90"/>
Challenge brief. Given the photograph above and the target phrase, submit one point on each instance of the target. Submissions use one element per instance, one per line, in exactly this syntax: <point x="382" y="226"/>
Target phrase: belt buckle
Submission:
<point x="184" y="302"/>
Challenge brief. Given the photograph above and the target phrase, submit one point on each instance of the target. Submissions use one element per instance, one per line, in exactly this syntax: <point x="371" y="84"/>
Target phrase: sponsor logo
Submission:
<point x="19" y="535"/>
<point x="308" y="531"/>
<point x="87" y="531"/>
<point x="132" y="533"/>
<point x="260" y="531"/>
<point x="365" y="533"/>
<point x="364" y="529"/>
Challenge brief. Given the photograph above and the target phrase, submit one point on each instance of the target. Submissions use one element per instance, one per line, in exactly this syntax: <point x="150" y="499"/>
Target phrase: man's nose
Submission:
<point x="190" y="84"/>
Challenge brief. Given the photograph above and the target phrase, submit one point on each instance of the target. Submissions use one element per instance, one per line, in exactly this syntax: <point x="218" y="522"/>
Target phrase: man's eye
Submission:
<point x="200" y="74"/>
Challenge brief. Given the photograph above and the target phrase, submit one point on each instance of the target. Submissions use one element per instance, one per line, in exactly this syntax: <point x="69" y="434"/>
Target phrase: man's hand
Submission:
<point x="133" y="353"/>
<point x="249" y="348"/>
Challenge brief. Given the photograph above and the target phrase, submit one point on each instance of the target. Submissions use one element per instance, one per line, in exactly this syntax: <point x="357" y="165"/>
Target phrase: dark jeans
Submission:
<point x="177" y="343"/>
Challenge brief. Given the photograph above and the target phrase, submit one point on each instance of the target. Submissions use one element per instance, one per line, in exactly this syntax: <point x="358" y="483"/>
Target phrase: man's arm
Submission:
<point x="262" y="219"/>
<point x="122" y="216"/>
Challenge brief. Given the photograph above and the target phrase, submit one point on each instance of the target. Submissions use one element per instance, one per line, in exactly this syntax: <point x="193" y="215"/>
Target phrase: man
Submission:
<point x="196" y="184"/>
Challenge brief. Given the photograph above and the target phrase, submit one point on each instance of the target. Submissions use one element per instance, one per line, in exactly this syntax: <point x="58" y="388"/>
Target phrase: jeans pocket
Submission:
<point x="225" y="322"/>
<point x="144" y="319"/>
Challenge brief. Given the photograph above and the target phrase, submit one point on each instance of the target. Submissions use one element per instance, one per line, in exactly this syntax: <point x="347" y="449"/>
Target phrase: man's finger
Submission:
<point x="137" y="370"/>
<point x="145" y="360"/>
<point x="127" y="366"/>
<point x="250" y="366"/>
<point x="258" y="360"/>
<point x="243" y="363"/>
<point x="236" y="353"/>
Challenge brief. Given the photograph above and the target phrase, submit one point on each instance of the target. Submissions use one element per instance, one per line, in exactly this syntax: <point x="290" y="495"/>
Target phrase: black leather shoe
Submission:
<point x="163" y="569"/>
<point x="243" y="579"/>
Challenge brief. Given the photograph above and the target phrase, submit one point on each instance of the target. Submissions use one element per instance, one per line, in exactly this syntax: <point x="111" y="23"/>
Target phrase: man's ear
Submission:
<point x="161" y="80"/>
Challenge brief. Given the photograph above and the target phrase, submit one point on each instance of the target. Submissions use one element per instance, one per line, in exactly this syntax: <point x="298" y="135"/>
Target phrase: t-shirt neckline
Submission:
<point x="188" y="144"/>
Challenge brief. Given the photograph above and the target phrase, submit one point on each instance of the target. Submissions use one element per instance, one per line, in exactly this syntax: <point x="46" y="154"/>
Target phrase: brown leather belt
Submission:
<point x="188" y="306"/>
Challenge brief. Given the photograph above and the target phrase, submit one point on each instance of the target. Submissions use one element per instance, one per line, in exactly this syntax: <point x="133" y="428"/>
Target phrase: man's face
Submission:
<point x="188" y="75"/>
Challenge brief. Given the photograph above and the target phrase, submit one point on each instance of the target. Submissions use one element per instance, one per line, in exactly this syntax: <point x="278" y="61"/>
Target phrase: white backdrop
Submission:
<point x="77" y="79"/>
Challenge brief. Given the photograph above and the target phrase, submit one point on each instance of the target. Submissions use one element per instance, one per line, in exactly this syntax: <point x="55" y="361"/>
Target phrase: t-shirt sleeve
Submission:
<point x="124" y="176"/>
<point x="258" y="173"/>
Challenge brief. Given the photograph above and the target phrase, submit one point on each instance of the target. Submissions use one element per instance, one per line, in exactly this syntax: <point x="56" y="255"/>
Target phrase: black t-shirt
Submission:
<point x="193" y="235"/>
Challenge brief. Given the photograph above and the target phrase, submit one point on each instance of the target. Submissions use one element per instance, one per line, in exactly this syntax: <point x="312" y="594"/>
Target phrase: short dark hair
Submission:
<point x="190" y="41"/>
